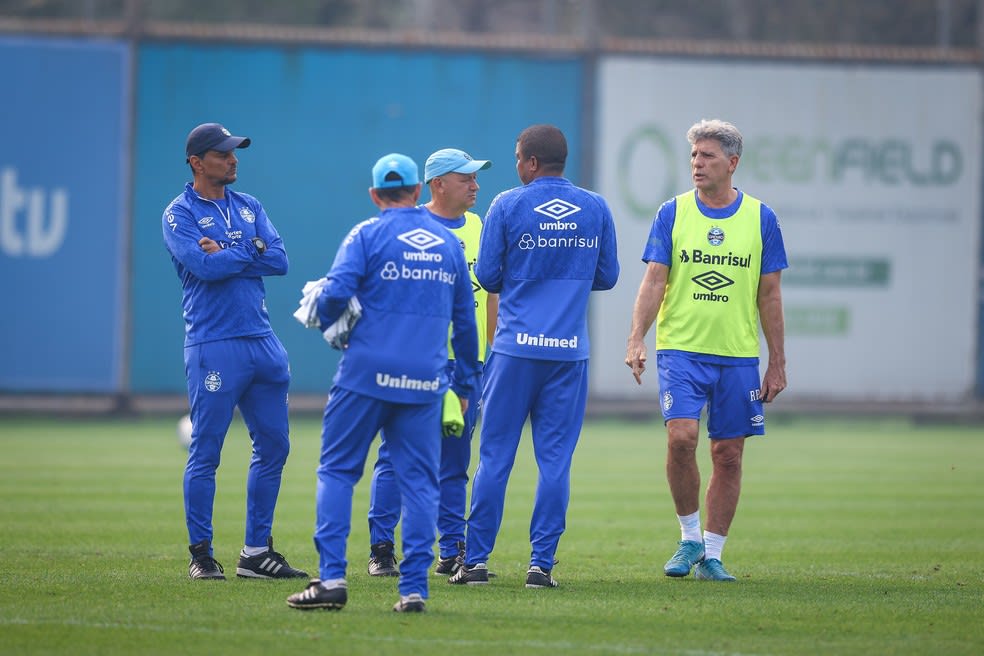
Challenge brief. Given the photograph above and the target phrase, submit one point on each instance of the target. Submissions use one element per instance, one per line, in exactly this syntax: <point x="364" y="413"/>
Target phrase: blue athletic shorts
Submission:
<point x="731" y="393"/>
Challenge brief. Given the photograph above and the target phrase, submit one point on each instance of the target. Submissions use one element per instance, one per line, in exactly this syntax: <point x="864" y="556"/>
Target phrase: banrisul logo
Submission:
<point x="716" y="259"/>
<point x="421" y="240"/>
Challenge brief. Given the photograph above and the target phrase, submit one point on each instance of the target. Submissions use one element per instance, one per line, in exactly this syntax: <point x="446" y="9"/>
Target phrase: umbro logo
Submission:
<point x="712" y="280"/>
<point x="420" y="239"/>
<point x="557" y="209"/>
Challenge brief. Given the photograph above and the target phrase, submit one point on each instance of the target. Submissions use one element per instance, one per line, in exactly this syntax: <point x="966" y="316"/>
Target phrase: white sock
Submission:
<point x="254" y="551"/>
<point x="690" y="527"/>
<point x="331" y="584"/>
<point x="713" y="545"/>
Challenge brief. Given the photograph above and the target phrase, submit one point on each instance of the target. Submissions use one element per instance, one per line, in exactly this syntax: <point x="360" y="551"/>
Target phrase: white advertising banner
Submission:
<point x="874" y="173"/>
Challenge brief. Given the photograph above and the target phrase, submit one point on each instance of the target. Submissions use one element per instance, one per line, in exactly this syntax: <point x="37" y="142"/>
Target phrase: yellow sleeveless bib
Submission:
<point x="469" y="234"/>
<point x="710" y="305"/>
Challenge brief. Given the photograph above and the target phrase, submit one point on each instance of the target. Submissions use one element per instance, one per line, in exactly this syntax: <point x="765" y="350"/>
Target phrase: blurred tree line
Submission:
<point x="906" y="23"/>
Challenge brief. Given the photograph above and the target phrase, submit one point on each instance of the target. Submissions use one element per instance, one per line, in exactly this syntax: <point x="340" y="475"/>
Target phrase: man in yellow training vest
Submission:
<point x="714" y="260"/>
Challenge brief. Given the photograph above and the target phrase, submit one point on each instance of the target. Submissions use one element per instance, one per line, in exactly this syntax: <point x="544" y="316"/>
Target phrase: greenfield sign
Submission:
<point x="877" y="186"/>
<point x="789" y="160"/>
<point x="892" y="162"/>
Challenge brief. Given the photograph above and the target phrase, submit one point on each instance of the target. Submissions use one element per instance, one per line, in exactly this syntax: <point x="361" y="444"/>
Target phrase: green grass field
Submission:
<point x="852" y="537"/>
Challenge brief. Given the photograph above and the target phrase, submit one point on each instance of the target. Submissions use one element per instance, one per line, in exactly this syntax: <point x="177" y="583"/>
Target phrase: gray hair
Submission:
<point x="720" y="131"/>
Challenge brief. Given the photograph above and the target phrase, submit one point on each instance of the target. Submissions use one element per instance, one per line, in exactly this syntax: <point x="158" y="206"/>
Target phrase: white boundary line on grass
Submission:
<point x="527" y="644"/>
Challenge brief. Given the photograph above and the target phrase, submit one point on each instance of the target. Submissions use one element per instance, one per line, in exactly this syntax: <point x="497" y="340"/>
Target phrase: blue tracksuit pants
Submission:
<point x="253" y="374"/>
<point x="351" y="421"/>
<point x="384" y="495"/>
<point x="553" y="395"/>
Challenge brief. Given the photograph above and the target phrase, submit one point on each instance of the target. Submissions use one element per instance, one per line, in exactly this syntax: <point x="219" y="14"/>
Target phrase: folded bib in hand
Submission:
<point x="452" y="421"/>
<point x="337" y="334"/>
<point x="307" y="313"/>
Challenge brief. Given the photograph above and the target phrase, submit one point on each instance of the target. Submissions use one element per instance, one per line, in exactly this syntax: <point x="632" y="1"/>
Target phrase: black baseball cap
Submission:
<point x="212" y="136"/>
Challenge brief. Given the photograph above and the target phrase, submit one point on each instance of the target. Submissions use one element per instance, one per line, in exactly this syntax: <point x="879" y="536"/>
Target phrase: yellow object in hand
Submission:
<point x="452" y="421"/>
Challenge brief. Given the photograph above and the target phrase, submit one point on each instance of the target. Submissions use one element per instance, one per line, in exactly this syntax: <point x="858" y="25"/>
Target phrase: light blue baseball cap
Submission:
<point x="452" y="160"/>
<point x="405" y="169"/>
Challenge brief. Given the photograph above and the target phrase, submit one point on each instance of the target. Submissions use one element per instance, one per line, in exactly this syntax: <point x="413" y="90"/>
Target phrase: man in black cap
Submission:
<point x="222" y="244"/>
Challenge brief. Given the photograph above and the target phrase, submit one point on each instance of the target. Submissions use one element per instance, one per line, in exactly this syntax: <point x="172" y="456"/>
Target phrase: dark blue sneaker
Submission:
<point x="689" y="554"/>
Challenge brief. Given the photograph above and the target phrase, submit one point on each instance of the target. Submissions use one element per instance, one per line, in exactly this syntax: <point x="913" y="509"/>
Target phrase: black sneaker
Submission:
<point x="315" y="596"/>
<point x="477" y="574"/>
<point x="412" y="603"/>
<point x="540" y="578"/>
<point x="382" y="561"/>
<point x="202" y="565"/>
<point x="448" y="566"/>
<point x="267" y="565"/>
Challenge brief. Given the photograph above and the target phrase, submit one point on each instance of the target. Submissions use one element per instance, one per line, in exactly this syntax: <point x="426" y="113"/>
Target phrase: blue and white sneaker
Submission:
<point x="712" y="570"/>
<point x="689" y="554"/>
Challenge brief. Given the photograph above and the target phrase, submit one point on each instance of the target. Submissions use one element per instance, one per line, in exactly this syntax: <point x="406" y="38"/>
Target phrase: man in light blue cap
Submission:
<point x="410" y="276"/>
<point x="452" y="160"/>
<point x="451" y="175"/>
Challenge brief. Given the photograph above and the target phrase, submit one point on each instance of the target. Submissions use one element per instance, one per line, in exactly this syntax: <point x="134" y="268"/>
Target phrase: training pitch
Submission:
<point x="852" y="537"/>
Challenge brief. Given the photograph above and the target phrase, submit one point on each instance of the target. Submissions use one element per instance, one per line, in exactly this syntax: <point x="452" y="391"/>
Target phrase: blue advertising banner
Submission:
<point x="318" y="120"/>
<point x="63" y="154"/>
